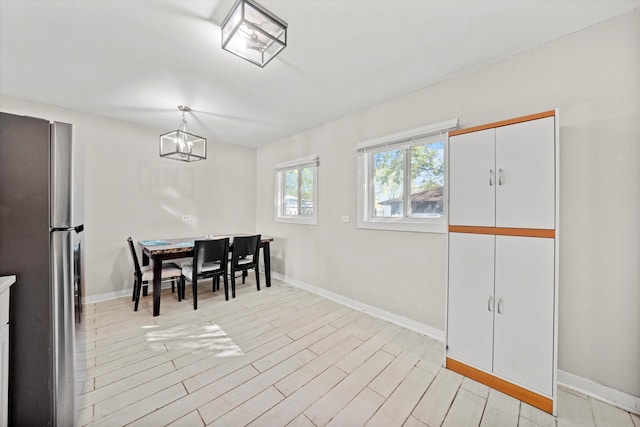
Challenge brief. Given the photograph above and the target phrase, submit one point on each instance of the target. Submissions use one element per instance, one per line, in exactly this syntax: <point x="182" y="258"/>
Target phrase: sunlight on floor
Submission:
<point x="193" y="338"/>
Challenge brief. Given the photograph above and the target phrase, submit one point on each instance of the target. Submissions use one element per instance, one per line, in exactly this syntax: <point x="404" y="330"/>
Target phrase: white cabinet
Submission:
<point x="524" y="295"/>
<point x="472" y="180"/>
<point x="501" y="306"/>
<point x="504" y="176"/>
<point x="525" y="174"/>
<point x="502" y="279"/>
<point x="471" y="299"/>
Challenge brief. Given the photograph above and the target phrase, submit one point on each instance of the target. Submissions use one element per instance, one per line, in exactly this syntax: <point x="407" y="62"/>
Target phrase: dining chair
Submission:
<point x="143" y="275"/>
<point x="209" y="262"/>
<point x="245" y="255"/>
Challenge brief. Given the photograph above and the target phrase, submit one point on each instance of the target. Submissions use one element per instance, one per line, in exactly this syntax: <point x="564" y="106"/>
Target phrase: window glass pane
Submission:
<point x="427" y="180"/>
<point x="296" y="198"/>
<point x="388" y="183"/>
<point x="290" y="192"/>
<point x="306" y="191"/>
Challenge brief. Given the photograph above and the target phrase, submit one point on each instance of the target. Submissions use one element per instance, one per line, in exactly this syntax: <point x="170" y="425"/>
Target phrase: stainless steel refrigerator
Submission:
<point x="41" y="241"/>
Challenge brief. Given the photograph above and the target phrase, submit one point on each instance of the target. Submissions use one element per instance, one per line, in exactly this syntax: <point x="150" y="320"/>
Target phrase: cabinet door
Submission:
<point x="525" y="161"/>
<point x="470" y="303"/>
<point x="472" y="179"/>
<point x="524" y="291"/>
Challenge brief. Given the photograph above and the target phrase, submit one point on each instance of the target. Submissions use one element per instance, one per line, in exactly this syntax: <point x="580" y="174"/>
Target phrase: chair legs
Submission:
<point x="244" y="275"/>
<point x="215" y="284"/>
<point x="135" y="289"/>
<point x="137" y="285"/>
<point x="194" y="288"/>
<point x="233" y="284"/>
<point x="226" y="286"/>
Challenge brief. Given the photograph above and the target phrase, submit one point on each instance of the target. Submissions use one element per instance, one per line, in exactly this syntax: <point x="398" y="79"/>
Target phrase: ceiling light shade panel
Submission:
<point x="181" y="144"/>
<point x="252" y="32"/>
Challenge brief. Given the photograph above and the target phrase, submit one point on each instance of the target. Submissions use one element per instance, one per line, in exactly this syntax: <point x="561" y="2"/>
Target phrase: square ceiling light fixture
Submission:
<point x="181" y="144"/>
<point x="252" y="32"/>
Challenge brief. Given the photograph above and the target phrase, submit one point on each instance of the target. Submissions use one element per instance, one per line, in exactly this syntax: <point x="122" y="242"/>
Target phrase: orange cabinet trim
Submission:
<point x="534" y="399"/>
<point x="503" y="231"/>
<point x="536" y="116"/>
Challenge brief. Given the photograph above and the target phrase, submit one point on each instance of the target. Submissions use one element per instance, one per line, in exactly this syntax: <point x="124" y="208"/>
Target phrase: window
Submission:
<point x="296" y="191"/>
<point x="401" y="180"/>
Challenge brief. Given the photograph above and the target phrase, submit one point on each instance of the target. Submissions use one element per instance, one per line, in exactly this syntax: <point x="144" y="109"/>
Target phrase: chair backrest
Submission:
<point x="246" y="247"/>
<point x="208" y="251"/>
<point x="134" y="255"/>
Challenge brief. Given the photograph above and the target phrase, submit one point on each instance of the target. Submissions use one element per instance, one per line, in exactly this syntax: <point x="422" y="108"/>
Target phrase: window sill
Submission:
<point x="416" y="227"/>
<point x="297" y="220"/>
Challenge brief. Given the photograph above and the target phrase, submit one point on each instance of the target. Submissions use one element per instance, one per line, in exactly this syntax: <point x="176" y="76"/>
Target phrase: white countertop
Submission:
<point x="5" y="282"/>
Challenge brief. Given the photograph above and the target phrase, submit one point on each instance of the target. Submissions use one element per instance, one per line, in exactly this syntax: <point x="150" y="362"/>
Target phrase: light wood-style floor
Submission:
<point x="284" y="357"/>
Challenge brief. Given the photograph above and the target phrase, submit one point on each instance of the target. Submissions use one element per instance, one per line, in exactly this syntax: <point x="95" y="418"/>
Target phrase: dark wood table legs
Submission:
<point x="157" y="276"/>
<point x="266" y="253"/>
<point x="157" y="283"/>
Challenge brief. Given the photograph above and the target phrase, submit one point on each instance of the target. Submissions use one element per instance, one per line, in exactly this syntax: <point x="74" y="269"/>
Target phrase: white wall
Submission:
<point x="592" y="77"/>
<point x="130" y="191"/>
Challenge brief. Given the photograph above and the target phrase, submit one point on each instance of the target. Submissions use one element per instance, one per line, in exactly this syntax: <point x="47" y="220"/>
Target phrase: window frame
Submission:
<point x="403" y="140"/>
<point x="280" y="193"/>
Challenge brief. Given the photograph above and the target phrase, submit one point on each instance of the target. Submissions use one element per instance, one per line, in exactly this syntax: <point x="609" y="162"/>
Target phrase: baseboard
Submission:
<point x="614" y="397"/>
<point x="105" y="297"/>
<point x="117" y="294"/>
<point x="422" y="328"/>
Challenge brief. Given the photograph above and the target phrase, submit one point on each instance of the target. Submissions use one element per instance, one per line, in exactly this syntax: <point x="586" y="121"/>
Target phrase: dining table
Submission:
<point x="161" y="250"/>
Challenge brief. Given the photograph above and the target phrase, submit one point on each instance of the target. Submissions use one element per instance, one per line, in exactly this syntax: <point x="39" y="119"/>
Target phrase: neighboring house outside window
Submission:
<point x="427" y="203"/>
<point x="297" y="191"/>
<point x="401" y="180"/>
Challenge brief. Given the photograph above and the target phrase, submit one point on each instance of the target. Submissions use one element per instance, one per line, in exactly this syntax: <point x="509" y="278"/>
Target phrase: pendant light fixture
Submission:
<point x="252" y="32"/>
<point x="182" y="145"/>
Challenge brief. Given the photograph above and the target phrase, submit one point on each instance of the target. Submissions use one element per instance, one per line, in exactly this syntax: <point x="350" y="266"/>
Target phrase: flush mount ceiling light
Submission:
<point x="182" y="145"/>
<point x="252" y="32"/>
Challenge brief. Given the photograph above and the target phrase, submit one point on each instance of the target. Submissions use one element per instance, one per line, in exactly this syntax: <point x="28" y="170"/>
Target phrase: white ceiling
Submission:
<point x="136" y="60"/>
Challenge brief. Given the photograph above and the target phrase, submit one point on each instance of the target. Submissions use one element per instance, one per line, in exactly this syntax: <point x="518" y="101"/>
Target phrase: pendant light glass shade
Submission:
<point x="252" y="32"/>
<point x="182" y="145"/>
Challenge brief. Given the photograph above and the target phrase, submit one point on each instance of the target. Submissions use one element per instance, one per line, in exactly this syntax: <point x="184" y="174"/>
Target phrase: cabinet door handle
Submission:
<point x="490" y="177"/>
<point x="500" y="306"/>
<point x="490" y="303"/>
<point x="500" y="176"/>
